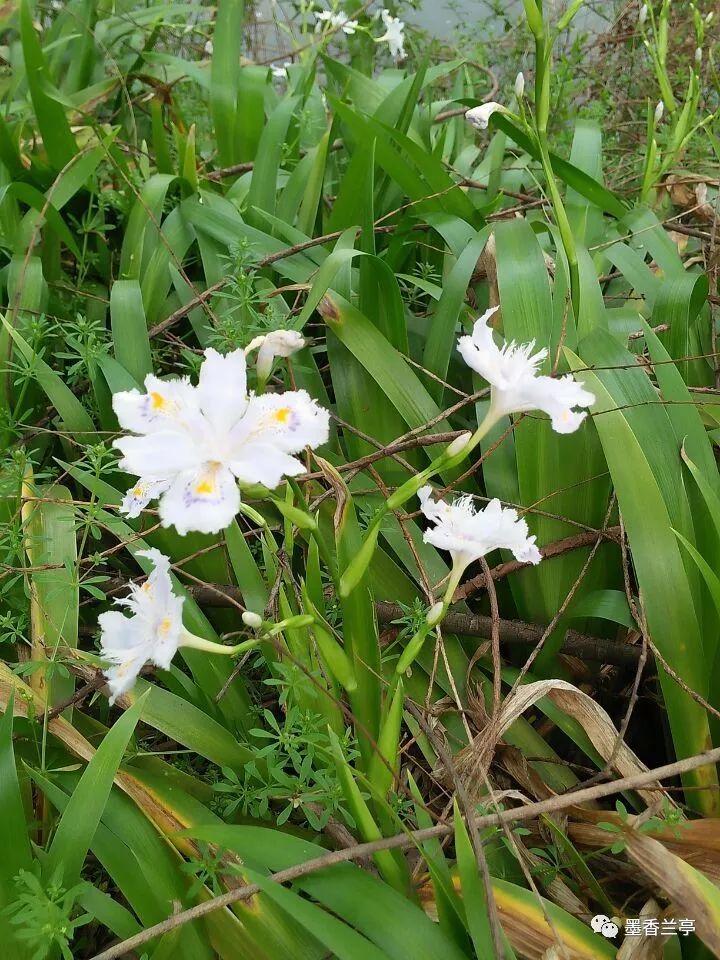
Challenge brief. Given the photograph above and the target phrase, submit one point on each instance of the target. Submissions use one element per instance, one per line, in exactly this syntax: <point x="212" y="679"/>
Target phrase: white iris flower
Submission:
<point x="468" y="534"/>
<point x="394" y="34"/>
<point x="479" y="117"/>
<point x="192" y="443"/>
<point x="516" y="386"/>
<point x="336" y="21"/>
<point x="152" y="634"/>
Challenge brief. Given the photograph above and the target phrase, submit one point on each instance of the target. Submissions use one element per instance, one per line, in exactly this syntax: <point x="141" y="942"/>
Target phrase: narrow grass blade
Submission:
<point x="78" y="823"/>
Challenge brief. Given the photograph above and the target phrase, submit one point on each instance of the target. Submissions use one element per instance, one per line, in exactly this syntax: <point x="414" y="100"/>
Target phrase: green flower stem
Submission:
<point x="445" y="461"/>
<point x="265" y="632"/>
<point x="291" y="623"/>
<point x="412" y="650"/>
<point x="651" y="155"/>
<point x="657" y="51"/>
<point x="209" y="646"/>
<point x="435" y="616"/>
<point x="543" y="54"/>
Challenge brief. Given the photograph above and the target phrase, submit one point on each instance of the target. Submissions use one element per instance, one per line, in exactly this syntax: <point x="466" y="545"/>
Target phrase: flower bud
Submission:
<point x="277" y="343"/>
<point x="708" y="18"/>
<point x="355" y="570"/>
<point x="252" y="620"/>
<point x="297" y="622"/>
<point x="519" y="85"/>
<point x="642" y="16"/>
<point x="301" y="519"/>
<point x="434" y="614"/>
<point x="458" y="444"/>
<point x="698" y="56"/>
<point x="659" y="111"/>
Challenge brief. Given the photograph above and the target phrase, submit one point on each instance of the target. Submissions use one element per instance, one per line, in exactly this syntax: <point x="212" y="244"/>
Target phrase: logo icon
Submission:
<point x="604" y="925"/>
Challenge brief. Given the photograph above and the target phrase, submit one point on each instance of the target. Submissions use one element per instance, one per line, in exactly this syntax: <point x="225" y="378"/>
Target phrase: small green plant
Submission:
<point x="47" y="916"/>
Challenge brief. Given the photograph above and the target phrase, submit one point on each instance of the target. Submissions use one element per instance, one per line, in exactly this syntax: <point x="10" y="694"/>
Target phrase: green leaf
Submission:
<point x="13" y="826"/>
<point x="141" y="229"/>
<point x="109" y="912"/>
<point x="74" y="415"/>
<point x="52" y="549"/>
<point x="474" y="898"/>
<point x="386" y="760"/>
<point x="391" y="867"/>
<point x="441" y="341"/>
<point x="45" y="208"/>
<point x="384" y="364"/>
<point x="129" y="329"/>
<point x="541" y="456"/>
<point x="343" y="942"/>
<point x="74" y="834"/>
<point x="583" y="184"/>
<point x="140" y="861"/>
<point x="225" y="76"/>
<point x="264" y="183"/>
<point x="187" y="724"/>
<point x="52" y="122"/>
<point x="394" y="923"/>
<point x="667" y="592"/>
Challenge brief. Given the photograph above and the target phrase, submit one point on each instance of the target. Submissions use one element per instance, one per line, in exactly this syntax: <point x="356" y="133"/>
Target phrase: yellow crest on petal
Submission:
<point x="207" y="483"/>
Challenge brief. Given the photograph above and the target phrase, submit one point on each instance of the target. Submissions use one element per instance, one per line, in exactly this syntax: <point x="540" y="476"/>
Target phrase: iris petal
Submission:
<point x="157" y="456"/>
<point x="222" y="388"/>
<point x="287" y="421"/>
<point x="262" y="463"/>
<point x="204" y="499"/>
<point x="140" y="495"/>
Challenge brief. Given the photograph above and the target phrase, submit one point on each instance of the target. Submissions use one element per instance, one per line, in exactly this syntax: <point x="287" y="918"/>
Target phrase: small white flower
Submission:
<point x="208" y="48"/>
<point x="277" y="343"/>
<point x="56" y="4"/>
<point x="280" y="72"/>
<point x="519" y="85"/>
<point x="193" y="442"/>
<point x="479" y="117"/>
<point x="468" y="534"/>
<point x="659" y="111"/>
<point x="642" y="16"/>
<point x="321" y="17"/>
<point x="152" y="633"/>
<point x="336" y="21"/>
<point x="516" y="387"/>
<point x="394" y="34"/>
